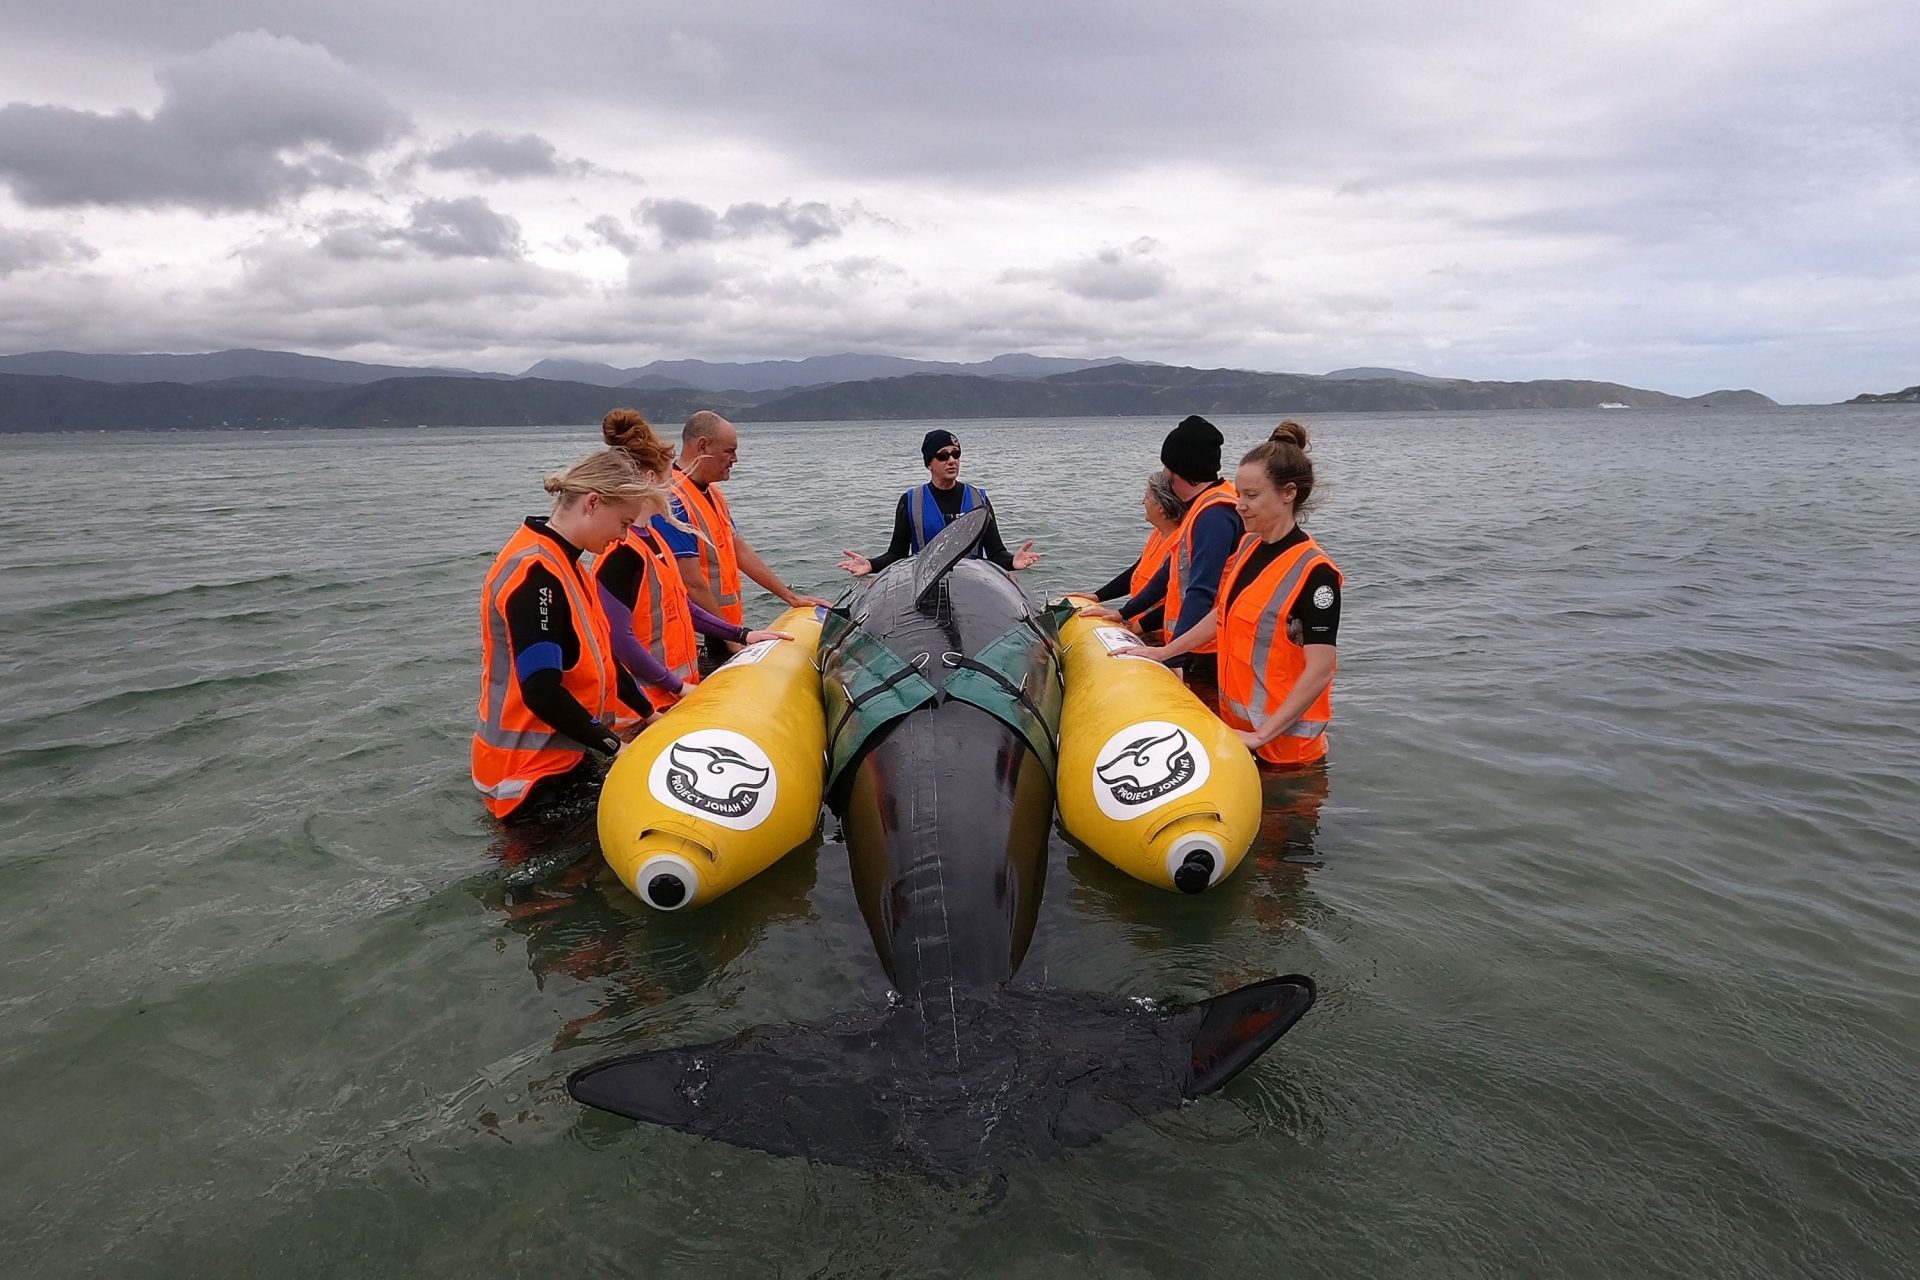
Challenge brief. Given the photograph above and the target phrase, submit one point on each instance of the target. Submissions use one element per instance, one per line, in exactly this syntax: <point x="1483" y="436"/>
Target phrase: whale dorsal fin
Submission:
<point x="955" y="543"/>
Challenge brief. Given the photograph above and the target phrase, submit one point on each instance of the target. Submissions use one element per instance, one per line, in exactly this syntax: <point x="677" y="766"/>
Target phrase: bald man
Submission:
<point x="712" y="563"/>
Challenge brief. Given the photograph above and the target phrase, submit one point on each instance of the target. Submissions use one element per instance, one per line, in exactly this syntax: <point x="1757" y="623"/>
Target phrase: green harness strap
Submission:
<point x="1017" y="682"/>
<point x="867" y="686"/>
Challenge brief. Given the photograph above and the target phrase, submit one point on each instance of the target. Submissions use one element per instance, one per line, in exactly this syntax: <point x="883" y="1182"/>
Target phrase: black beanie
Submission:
<point x="934" y="441"/>
<point x="1192" y="450"/>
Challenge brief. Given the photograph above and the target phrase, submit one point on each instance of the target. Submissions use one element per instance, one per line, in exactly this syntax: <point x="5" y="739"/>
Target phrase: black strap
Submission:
<point x="854" y="703"/>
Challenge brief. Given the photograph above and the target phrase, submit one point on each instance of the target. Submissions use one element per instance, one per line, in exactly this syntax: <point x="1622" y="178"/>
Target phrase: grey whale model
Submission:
<point x="946" y="809"/>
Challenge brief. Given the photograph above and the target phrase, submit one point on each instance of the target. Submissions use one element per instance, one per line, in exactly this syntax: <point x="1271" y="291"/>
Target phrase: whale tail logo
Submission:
<point x="1147" y="768"/>
<point x="714" y="779"/>
<point x="1012" y="1076"/>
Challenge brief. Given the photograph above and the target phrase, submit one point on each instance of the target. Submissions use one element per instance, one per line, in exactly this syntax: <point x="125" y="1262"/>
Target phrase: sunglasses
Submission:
<point x="947" y="455"/>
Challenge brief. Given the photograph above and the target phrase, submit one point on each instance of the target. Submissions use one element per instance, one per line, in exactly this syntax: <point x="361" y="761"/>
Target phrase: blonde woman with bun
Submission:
<point x="655" y="621"/>
<point x="551" y="694"/>
<point x="1278" y="611"/>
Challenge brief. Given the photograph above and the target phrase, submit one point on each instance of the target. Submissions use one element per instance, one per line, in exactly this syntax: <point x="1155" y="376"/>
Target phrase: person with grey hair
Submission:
<point x="1164" y="509"/>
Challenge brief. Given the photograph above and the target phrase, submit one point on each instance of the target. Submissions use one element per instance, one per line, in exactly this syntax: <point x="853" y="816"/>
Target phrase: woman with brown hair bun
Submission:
<point x="550" y="691"/>
<point x="655" y="621"/>
<point x="1278" y="611"/>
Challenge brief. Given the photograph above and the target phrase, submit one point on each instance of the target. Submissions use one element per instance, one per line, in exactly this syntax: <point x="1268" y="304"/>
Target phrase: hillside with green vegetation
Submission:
<point x="35" y="403"/>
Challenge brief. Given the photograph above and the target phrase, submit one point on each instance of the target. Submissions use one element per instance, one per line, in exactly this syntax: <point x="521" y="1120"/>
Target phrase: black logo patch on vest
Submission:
<point x="1148" y="768"/>
<point x="714" y="780"/>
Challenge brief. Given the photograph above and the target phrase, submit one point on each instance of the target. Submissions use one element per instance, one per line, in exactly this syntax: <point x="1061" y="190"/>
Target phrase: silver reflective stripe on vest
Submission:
<point x="1183" y="557"/>
<point x="917" y="514"/>
<point x="1273" y="624"/>
<point x="502" y="647"/>
<point x="657" y="616"/>
<point x="709" y="551"/>
<point x="521" y="740"/>
<point x="491" y="731"/>
<point x="511" y="789"/>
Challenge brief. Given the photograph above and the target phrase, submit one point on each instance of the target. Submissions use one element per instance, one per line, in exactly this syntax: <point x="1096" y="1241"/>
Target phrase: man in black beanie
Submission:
<point x="923" y="511"/>
<point x="1191" y="452"/>
<point x="1190" y="579"/>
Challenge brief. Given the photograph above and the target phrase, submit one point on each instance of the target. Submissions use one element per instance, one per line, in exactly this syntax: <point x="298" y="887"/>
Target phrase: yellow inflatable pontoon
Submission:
<point x="1149" y="779"/>
<point x="727" y="782"/>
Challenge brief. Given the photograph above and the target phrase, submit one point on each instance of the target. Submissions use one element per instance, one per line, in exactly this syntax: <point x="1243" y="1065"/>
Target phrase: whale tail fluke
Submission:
<point x="952" y="1086"/>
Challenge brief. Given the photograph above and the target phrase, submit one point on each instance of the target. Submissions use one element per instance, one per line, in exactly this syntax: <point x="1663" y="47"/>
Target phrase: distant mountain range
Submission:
<point x="323" y="394"/>
<point x="1910" y="396"/>
<point x="218" y="366"/>
<point x="778" y="375"/>
<point x="704" y="375"/>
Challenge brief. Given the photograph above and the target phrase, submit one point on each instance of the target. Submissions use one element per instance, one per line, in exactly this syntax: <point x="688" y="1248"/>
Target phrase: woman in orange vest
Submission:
<point x="1164" y="511"/>
<point x="1278" y="612"/>
<point x="551" y="694"/>
<point x="655" y="622"/>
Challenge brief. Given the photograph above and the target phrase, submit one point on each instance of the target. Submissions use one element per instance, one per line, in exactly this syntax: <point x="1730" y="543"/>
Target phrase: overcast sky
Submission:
<point x="1680" y="194"/>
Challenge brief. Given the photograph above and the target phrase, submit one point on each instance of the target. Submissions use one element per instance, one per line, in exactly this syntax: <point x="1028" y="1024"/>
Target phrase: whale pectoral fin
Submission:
<point x="1239" y="1026"/>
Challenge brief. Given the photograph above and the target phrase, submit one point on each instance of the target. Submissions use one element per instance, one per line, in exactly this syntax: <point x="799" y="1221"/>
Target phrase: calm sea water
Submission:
<point x="1610" y="887"/>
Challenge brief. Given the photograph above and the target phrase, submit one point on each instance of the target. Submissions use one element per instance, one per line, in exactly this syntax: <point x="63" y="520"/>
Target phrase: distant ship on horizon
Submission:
<point x="1612" y="404"/>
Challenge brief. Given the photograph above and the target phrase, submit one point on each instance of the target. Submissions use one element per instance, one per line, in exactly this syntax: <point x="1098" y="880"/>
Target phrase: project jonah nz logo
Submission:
<point x="1149" y="768"/>
<point x="718" y="776"/>
<point x="714" y="780"/>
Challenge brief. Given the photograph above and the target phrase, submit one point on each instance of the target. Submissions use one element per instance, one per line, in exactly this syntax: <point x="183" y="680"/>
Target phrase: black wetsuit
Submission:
<point x="1121" y="585"/>
<point x="1317" y="608"/>
<point x="948" y="500"/>
<point x="545" y="641"/>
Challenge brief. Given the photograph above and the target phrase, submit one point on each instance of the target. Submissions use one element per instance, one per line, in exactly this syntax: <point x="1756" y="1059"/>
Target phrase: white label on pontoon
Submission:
<point x="1146" y="765"/>
<point x="716" y="774"/>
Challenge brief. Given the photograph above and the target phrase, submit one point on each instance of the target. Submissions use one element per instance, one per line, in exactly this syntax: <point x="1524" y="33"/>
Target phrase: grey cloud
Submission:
<point x="681" y="222"/>
<point x="249" y="123"/>
<point x="29" y="250"/>
<point x="504" y="156"/>
<point x="1126" y="274"/>
<point x="801" y="224"/>
<point x="466" y="227"/>
<point x="463" y="228"/>
<point x="610" y="231"/>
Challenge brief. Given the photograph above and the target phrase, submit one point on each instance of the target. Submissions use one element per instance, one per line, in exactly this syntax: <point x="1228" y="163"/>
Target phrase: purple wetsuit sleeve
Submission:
<point x="633" y="655"/>
<point x="708" y="625"/>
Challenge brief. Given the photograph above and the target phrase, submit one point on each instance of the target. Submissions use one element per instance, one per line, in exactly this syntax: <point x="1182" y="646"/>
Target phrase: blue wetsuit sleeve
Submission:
<point x="632" y="655"/>
<point x="1216" y="532"/>
<point x="678" y="541"/>
<point x="1150" y="595"/>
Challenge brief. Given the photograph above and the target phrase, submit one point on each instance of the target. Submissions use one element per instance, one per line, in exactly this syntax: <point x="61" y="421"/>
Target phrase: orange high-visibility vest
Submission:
<point x="662" y="622"/>
<point x="513" y="748"/>
<point x="1158" y="547"/>
<point x="1180" y="567"/>
<point x="1259" y="661"/>
<point x="719" y="568"/>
